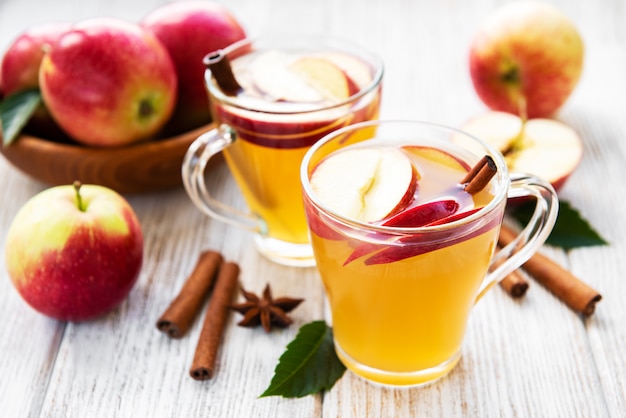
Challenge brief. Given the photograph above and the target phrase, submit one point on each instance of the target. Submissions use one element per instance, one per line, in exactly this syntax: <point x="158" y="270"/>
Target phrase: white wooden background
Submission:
<point x="527" y="358"/>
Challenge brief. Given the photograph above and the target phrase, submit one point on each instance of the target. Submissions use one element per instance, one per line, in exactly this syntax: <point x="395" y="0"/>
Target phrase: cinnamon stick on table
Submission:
<point x="202" y="367"/>
<point x="514" y="284"/>
<point x="179" y="316"/>
<point x="563" y="284"/>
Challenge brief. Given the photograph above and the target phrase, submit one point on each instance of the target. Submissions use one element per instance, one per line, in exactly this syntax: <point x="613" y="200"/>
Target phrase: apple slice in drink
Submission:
<point x="413" y="246"/>
<point x="324" y="76"/>
<point x="365" y="184"/>
<point x="303" y="80"/>
<point x="438" y="156"/>
<point x="424" y="214"/>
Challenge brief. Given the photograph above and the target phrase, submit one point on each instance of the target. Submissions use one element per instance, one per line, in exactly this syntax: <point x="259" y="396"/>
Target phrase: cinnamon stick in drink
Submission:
<point x="210" y="339"/>
<point x="480" y="175"/>
<point x="572" y="291"/>
<point x="178" y="317"/>
<point x="220" y="67"/>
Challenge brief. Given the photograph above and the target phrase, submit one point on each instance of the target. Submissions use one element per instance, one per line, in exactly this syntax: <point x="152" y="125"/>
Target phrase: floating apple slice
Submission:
<point x="271" y="75"/>
<point x="438" y="156"/>
<point x="414" y="246"/>
<point x="454" y="217"/>
<point x="546" y="148"/>
<point x="306" y="79"/>
<point x="366" y="184"/>
<point x="424" y="214"/>
<point x="324" y="76"/>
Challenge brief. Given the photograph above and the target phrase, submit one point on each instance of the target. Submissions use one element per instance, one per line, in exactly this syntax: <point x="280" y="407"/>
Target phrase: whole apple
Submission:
<point x="108" y="82"/>
<point x="21" y="61"/>
<point x="526" y="59"/>
<point x="20" y="70"/>
<point x="74" y="253"/>
<point x="190" y="30"/>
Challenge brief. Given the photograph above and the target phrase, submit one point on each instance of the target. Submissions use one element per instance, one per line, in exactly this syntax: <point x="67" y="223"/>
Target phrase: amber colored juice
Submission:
<point x="265" y="159"/>
<point x="402" y="322"/>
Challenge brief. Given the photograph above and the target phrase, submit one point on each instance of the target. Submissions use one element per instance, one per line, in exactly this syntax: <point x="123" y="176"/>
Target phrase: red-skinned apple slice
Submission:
<point x="305" y="80"/>
<point x="438" y="156"/>
<point x="546" y="148"/>
<point x="454" y="217"/>
<point x="365" y="184"/>
<point x="414" y="246"/>
<point x="324" y="76"/>
<point x="424" y="214"/>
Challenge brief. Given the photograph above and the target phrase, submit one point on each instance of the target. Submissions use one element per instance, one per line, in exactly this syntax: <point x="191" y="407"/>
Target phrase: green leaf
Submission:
<point x="570" y="231"/>
<point x="309" y="364"/>
<point x="15" y="111"/>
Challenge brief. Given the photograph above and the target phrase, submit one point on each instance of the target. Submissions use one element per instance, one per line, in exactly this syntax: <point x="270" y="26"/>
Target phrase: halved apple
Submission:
<point x="365" y="184"/>
<point x="546" y="148"/>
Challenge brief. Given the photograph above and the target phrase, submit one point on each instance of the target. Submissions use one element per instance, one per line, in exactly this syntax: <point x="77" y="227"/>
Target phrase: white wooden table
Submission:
<point x="532" y="357"/>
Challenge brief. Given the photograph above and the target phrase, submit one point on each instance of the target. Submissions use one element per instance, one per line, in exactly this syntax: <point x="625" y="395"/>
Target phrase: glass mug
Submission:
<point x="400" y="297"/>
<point x="293" y="91"/>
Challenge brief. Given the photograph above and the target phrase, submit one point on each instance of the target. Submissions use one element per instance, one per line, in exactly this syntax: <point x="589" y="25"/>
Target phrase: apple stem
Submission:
<point x="79" y="199"/>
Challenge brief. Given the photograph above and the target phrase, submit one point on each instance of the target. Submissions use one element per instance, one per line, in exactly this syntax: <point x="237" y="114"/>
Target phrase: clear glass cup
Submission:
<point x="400" y="297"/>
<point x="263" y="137"/>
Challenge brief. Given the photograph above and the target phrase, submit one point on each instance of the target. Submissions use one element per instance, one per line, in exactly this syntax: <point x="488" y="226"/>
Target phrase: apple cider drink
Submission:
<point x="289" y="98"/>
<point x="400" y="300"/>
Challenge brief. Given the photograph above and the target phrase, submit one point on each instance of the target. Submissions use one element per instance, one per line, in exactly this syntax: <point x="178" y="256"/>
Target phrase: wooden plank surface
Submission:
<point x="532" y="357"/>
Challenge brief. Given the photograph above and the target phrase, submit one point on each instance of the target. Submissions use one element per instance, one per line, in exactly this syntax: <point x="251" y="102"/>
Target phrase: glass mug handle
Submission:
<point x="197" y="157"/>
<point x="534" y="234"/>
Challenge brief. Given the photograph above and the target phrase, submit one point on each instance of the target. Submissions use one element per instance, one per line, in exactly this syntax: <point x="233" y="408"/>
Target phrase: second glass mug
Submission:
<point x="264" y="137"/>
<point x="400" y="297"/>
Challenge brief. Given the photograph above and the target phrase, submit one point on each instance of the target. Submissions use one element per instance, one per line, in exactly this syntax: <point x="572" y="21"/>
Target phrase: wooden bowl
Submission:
<point x="138" y="168"/>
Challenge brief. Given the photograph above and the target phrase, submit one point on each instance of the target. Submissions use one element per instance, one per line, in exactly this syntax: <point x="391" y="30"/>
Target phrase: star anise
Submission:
<point x="265" y="310"/>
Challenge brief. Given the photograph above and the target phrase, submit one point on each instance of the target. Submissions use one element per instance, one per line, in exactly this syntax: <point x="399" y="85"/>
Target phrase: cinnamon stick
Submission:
<point x="220" y="67"/>
<point x="480" y="175"/>
<point x="178" y="317"/>
<point x="209" y="342"/>
<point x="514" y="284"/>
<point x="572" y="291"/>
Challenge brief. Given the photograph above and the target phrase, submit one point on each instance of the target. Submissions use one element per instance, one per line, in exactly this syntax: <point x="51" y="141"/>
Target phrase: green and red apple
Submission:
<point x="108" y="82"/>
<point x="190" y="30"/>
<point x="74" y="252"/>
<point x="526" y="59"/>
<point x="543" y="147"/>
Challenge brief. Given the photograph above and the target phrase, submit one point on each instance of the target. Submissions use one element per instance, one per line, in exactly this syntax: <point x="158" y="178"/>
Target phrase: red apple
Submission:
<point x="108" y="82"/>
<point x="74" y="253"/>
<point x="365" y="184"/>
<point x="21" y="61"/>
<point x="546" y="148"/>
<point x="526" y="59"/>
<point x="190" y="30"/>
<point x="20" y="70"/>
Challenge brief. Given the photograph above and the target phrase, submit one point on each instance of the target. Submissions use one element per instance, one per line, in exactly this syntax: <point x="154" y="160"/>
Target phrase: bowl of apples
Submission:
<point x="108" y="101"/>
